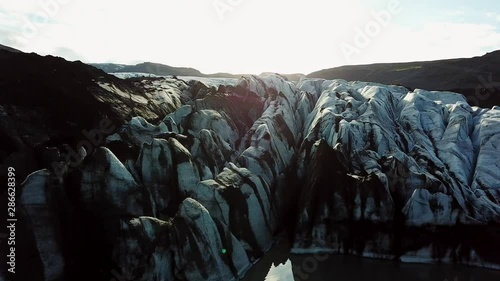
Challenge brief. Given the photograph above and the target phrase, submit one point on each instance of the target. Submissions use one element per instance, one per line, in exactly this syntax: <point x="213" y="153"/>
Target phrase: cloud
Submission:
<point x="456" y="13"/>
<point x="256" y="36"/>
<point x="432" y="41"/>
<point x="492" y="15"/>
<point x="7" y="39"/>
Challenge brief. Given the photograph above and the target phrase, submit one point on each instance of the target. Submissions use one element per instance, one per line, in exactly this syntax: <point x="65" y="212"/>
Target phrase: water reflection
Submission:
<point x="349" y="268"/>
<point x="274" y="261"/>
<point x="280" y="272"/>
<point x="279" y="265"/>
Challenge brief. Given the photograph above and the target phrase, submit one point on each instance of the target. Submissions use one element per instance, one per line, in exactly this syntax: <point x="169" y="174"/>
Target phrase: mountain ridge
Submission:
<point x="167" y="70"/>
<point x="10" y="49"/>
<point x="476" y="77"/>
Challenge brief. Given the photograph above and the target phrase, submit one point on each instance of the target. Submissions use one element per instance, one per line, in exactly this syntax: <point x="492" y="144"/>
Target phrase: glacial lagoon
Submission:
<point x="279" y="265"/>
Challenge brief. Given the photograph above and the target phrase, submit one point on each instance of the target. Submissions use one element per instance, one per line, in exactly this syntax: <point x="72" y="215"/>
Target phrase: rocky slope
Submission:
<point x="53" y="101"/>
<point x="7" y="48"/>
<point x="476" y="78"/>
<point x="199" y="194"/>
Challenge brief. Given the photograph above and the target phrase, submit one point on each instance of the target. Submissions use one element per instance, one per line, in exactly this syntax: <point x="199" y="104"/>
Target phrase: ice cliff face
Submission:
<point x="348" y="167"/>
<point x="430" y="160"/>
<point x="383" y="167"/>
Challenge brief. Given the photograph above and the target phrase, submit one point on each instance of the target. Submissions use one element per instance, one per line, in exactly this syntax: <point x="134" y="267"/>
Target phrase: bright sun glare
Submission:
<point x="243" y="36"/>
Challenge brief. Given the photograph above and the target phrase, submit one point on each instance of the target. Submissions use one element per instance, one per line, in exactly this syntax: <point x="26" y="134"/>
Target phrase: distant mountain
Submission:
<point x="477" y="78"/>
<point x="162" y="69"/>
<point x="109" y="67"/>
<point x="2" y="47"/>
<point x="290" y="77"/>
<point x="166" y="70"/>
<point x="149" y="67"/>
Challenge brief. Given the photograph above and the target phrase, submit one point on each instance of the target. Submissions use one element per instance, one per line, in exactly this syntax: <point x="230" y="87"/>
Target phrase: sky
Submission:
<point x="252" y="36"/>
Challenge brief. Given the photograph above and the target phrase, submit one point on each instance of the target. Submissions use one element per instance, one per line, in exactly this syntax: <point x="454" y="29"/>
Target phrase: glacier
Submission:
<point x="345" y="167"/>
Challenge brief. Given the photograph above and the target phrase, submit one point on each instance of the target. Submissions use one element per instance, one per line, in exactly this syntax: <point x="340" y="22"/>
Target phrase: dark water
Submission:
<point x="279" y="265"/>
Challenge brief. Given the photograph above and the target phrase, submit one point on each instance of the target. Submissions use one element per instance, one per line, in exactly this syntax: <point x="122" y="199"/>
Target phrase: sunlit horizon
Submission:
<point x="251" y="37"/>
